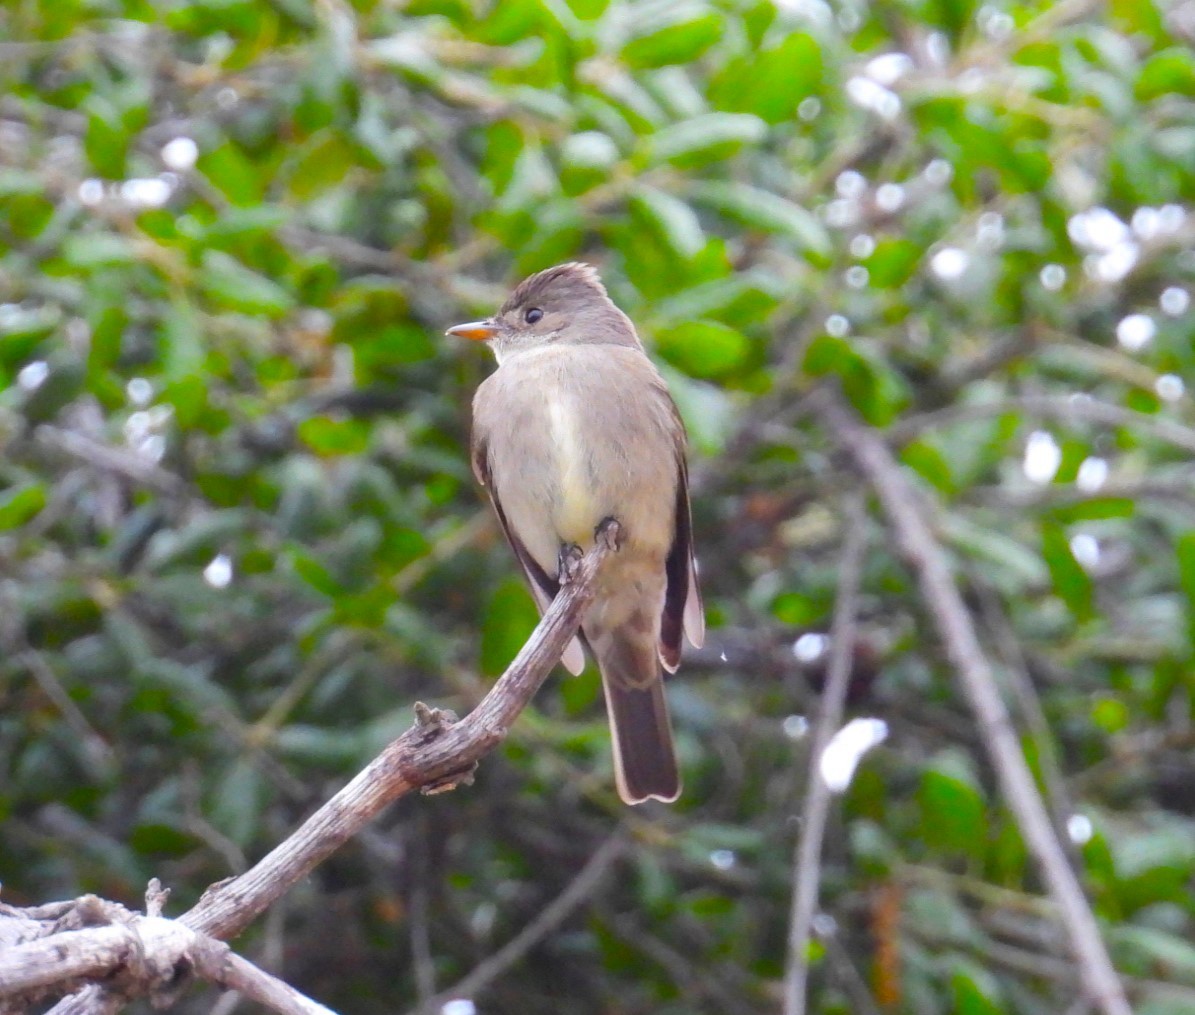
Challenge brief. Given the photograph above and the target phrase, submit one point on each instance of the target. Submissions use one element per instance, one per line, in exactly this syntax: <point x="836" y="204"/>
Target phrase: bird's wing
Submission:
<point x="543" y="586"/>
<point x="682" y="600"/>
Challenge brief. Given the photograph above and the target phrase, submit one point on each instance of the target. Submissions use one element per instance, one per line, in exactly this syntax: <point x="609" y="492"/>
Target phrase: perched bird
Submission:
<point x="575" y="427"/>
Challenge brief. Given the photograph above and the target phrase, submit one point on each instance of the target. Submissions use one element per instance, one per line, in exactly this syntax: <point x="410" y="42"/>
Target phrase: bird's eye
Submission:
<point x="533" y="315"/>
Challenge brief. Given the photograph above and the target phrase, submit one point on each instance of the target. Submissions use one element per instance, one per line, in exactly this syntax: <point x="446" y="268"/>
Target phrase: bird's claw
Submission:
<point x="568" y="562"/>
<point x="609" y="533"/>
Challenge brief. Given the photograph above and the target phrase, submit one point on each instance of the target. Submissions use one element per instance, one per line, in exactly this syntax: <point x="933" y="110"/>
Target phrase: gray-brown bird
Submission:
<point x="576" y="426"/>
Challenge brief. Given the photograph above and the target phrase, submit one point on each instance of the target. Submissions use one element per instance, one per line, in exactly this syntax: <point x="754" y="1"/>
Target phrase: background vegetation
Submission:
<point x="238" y="534"/>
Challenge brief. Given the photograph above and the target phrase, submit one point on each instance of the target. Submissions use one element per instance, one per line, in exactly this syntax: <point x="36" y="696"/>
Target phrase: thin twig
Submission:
<point x="720" y="984"/>
<point x="807" y="855"/>
<point x="852" y="982"/>
<point x="1068" y="409"/>
<point x="112" y="459"/>
<point x="99" y="754"/>
<point x="418" y="917"/>
<point x="218" y="964"/>
<point x="1025" y="694"/>
<point x="550" y="917"/>
<point x="448" y="545"/>
<point x="949" y="615"/>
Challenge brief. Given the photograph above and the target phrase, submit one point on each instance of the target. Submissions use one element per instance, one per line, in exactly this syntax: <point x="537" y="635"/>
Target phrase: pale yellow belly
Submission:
<point x="584" y="446"/>
<point x="577" y="510"/>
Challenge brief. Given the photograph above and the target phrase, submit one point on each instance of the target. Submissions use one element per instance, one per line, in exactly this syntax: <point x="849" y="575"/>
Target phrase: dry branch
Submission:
<point x="816" y="808"/>
<point x="1065" y="410"/>
<point x="135" y="954"/>
<point x="944" y="603"/>
<point x="436" y="754"/>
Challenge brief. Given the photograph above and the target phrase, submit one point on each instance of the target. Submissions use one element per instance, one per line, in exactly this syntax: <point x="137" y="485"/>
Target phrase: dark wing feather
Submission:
<point x="682" y="599"/>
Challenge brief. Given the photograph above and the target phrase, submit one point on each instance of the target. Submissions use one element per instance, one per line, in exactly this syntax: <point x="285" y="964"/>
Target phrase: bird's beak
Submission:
<point x="478" y="331"/>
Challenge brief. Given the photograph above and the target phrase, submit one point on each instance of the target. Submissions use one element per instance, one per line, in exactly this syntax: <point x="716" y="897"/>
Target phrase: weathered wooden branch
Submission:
<point x="135" y="954"/>
<point x="437" y="754"/>
<point x="815" y="809"/>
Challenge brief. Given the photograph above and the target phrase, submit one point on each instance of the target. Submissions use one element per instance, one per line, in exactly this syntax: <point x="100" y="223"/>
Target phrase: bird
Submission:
<point x="574" y="429"/>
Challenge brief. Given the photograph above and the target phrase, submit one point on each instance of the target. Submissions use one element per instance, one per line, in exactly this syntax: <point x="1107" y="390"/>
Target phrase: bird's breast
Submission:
<point x="576" y="436"/>
<point x="577" y="508"/>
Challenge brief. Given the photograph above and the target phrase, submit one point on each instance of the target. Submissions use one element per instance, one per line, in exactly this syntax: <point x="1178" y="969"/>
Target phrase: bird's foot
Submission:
<point x="568" y="562"/>
<point x="609" y="533"/>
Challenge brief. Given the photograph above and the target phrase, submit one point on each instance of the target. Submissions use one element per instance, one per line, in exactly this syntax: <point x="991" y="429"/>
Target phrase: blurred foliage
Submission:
<point x="239" y="537"/>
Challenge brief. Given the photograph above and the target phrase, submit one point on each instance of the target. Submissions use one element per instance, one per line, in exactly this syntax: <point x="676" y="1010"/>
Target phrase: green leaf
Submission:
<point x="161" y="840"/>
<point x="798" y="609"/>
<point x="704" y="348"/>
<point x="322" y="163"/>
<point x="1109" y="714"/>
<point x="235" y="808"/>
<point x="581" y="693"/>
<point x="229" y="283"/>
<point x="952" y="806"/>
<point x="893" y="263"/>
<point x="19" y="326"/>
<point x="929" y="461"/>
<point x="94" y="250"/>
<point x="106" y="143"/>
<point x="976" y="990"/>
<point x="1147" y="951"/>
<point x="315" y="574"/>
<point x="679" y="42"/>
<point x="234" y="175"/>
<point x="1168" y="72"/>
<point x="1071" y="582"/>
<point x="875" y="390"/>
<point x="509" y="618"/>
<point x="379" y="350"/>
<point x="1097" y="508"/>
<point x="709" y="137"/>
<point x="1010" y="563"/>
<point x="1153" y="862"/>
<point x="21" y="504"/>
<point x="763" y="210"/>
<point x="183" y="352"/>
<point x="707" y="410"/>
<point x="743" y="297"/>
<point x="673" y="220"/>
<point x="1184" y="548"/>
<point x="328" y="436"/>
<point x="586" y="160"/>
<point x="770" y="83"/>
<point x="239" y="223"/>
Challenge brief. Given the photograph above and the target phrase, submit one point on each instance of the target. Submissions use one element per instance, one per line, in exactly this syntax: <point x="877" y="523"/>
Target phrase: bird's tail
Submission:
<point x="641" y="732"/>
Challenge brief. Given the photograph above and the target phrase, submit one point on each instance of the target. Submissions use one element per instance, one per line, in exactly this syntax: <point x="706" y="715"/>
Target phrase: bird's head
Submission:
<point x="566" y="304"/>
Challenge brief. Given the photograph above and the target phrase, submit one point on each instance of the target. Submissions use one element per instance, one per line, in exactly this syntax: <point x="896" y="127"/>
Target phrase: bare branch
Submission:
<point x="70" y="955"/>
<point x="1067" y="409"/>
<point x="104" y="456"/>
<point x="949" y="614"/>
<point x="436" y="754"/>
<point x="141" y="955"/>
<point x="807" y="855"/>
<point x="220" y="965"/>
